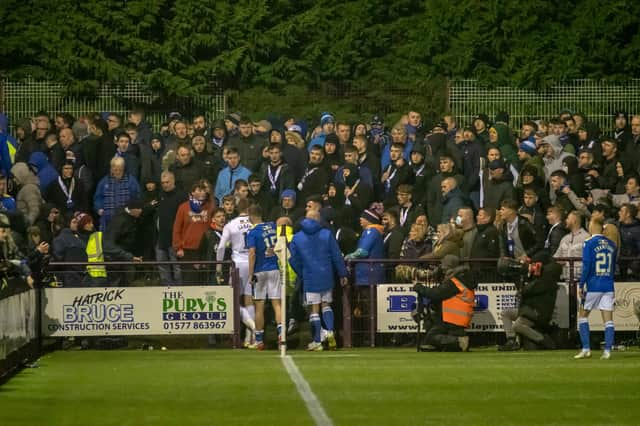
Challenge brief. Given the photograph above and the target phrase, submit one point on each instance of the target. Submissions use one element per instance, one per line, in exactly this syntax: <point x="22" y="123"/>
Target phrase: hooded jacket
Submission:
<point x="316" y="257"/>
<point x="536" y="163"/>
<point x="551" y="164"/>
<point x="29" y="198"/>
<point x="215" y="145"/>
<point x="498" y="190"/>
<point x="151" y="161"/>
<point x="592" y="142"/>
<point x="505" y="144"/>
<point x="46" y="172"/>
<point x="471" y="152"/>
<point x="371" y="244"/>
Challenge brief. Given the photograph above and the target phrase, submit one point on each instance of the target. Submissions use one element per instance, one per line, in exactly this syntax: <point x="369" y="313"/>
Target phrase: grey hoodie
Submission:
<point x="555" y="163"/>
<point x="29" y="198"/>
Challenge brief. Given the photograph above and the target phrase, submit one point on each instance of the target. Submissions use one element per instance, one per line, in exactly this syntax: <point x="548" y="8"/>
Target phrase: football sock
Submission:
<point x="609" y="332"/>
<point x="259" y="336"/>
<point x="583" y="328"/>
<point x="327" y="317"/>
<point x="314" y="321"/>
<point x="245" y="316"/>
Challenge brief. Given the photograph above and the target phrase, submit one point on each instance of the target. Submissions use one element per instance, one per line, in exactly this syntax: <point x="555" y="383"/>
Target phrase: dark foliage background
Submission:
<point x="303" y="55"/>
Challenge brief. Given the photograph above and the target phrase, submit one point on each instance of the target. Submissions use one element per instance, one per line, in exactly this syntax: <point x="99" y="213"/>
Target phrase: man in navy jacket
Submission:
<point x="315" y="256"/>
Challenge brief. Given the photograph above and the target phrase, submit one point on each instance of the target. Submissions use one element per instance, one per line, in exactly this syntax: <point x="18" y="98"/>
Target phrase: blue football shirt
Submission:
<point x="598" y="264"/>
<point x="263" y="238"/>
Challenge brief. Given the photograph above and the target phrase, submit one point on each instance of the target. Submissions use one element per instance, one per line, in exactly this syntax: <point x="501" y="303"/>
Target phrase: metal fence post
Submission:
<point x="237" y="293"/>
<point x="347" y="326"/>
<point x="372" y="308"/>
<point x="573" y="304"/>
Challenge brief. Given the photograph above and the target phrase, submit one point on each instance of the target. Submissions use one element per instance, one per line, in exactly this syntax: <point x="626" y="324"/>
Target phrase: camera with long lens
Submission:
<point x="411" y="274"/>
<point x="518" y="271"/>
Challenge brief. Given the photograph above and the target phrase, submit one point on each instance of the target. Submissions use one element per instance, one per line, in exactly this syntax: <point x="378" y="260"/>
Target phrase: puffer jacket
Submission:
<point x="46" y="172"/>
<point x="316" y="257"/>
<point x="29" y="197"/>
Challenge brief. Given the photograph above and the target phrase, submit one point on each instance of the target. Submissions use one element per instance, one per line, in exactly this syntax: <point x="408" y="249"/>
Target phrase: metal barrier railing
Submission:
<point x="358" y="310"/>
<point x="379" y="271"/>
<point x="19" y="329"/>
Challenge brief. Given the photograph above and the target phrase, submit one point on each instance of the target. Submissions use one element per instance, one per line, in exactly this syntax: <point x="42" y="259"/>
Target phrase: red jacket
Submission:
<point x="189" y="227"/>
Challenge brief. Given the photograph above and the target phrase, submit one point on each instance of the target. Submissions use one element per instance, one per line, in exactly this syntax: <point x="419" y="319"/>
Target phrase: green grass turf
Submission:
<point x="143" y="388"/>
<point x="402" y="387"/>
<point x="356" y="387"/>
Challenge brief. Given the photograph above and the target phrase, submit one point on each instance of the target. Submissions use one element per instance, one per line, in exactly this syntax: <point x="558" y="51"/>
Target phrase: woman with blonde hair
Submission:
<point x="449" y="242"/>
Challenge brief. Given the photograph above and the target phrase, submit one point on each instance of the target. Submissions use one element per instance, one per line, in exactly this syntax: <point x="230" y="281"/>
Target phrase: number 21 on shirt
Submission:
<point x="603" y="263"/>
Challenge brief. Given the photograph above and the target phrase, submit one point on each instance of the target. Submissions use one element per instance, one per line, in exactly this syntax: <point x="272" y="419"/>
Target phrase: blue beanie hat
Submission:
<point x="326" y="117"/>
<point x="528" y="147"/>
<point x="288" y="193"/>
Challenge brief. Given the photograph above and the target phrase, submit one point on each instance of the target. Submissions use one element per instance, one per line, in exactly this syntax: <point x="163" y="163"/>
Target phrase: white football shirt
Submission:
<point x="235" y="233"/>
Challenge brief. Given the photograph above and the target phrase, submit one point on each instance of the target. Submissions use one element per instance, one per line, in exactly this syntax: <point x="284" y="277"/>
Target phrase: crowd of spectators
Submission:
<point x="106" y="187"/>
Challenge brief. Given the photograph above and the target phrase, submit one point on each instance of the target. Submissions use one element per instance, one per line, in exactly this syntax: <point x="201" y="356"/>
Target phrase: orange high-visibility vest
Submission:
<point x="458" y="310"/>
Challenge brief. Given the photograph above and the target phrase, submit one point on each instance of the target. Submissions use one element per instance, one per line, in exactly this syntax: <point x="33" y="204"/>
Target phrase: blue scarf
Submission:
<point x="195" y="205"/>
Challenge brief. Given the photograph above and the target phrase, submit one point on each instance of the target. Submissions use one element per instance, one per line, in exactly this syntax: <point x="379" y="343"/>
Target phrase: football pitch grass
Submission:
<point x="355" y="387"/>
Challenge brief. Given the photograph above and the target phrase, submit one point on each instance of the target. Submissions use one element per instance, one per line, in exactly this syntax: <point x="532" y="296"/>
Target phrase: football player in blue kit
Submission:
<point x="263" y="271"/>
<point x="596" y="289"/>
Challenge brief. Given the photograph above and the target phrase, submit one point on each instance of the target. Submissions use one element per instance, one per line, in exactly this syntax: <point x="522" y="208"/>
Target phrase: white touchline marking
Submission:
<point x="318" y="414"/>
<point x="338" y="355"/>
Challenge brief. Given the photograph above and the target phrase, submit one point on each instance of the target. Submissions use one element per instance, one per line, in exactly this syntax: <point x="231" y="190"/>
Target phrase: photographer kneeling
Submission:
<point x="537" y="285"/>
<point x="452" y="304"/>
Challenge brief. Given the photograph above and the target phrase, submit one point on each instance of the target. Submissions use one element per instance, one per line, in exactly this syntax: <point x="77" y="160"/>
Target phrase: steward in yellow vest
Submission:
<point x="96" y="275"/>
<point x="95" y="254"/>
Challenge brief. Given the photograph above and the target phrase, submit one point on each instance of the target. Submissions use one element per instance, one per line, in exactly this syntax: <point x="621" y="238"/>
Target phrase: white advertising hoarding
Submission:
<point x="137" y="311"/>
<point x="624" y="317"/>
<point x="395" y="302"/>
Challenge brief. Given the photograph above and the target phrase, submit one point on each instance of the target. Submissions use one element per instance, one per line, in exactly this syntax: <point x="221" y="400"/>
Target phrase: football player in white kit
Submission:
<point x="234" y="233"/>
